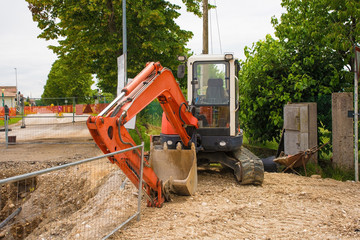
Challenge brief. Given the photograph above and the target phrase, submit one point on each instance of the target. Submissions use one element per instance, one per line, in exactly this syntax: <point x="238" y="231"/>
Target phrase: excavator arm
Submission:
<point x="110" y="134"/>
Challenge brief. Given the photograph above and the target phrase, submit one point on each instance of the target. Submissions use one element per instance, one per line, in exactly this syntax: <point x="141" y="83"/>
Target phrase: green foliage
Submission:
<point x="311" y="58"/>
<point x="338" y="173"/>
<point x="102" y="97"/>
<point x="67" y="80"/>
<point x="145" y="130"/>
<point x="326" y="169"/>
<point x="39" y="102"/>
<point x="264" y="90"/>
<point x="151" y="114"/>
<point x="108" y="97"/>
<point x="90" y="32"/>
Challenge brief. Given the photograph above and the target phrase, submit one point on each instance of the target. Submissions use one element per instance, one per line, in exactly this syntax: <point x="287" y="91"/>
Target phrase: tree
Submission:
<point x="67" y="80"/>
<point x="312" y="57"/>
<point x="264" y="89"/>
<point x="324" y="31"/>
<point x="91" y="32"/>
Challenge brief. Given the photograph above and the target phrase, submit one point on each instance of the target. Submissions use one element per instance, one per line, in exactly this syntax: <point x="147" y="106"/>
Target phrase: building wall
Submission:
<point x="9" y="101"/>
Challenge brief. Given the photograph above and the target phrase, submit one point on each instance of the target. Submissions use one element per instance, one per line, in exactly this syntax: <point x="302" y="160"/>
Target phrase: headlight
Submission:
<point x="229" y="56"/>
<point x="181" y="58"/>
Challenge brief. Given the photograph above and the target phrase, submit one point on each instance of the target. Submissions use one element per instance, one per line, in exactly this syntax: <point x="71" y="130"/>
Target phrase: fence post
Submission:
<point x="140" y="180"/>
<point x="74" y="105"/>
<point x="6" y="125"/>
<point x="23" y="112"/>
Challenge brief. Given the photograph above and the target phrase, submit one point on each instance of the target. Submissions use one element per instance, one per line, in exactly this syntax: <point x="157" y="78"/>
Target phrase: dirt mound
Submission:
<point x="68" y="204"/>
<point x="287" y="206"/>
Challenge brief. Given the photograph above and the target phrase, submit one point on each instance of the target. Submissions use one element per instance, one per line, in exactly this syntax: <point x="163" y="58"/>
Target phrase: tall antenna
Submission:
<point x="124" y="41"/>
<point x="217" y="21"/>
<point x="211" y="39"/>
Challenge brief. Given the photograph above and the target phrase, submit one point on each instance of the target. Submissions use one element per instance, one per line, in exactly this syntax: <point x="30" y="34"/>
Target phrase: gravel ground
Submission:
<point x="286" y="206"/>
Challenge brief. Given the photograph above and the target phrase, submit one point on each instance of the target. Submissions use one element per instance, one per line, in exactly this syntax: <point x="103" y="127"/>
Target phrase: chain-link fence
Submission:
<point x="38" y="124"/>
<point x="88" y="199"/>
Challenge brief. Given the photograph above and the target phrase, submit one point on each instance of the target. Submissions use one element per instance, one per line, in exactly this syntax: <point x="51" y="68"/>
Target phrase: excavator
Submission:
<point x="199" y="130"/>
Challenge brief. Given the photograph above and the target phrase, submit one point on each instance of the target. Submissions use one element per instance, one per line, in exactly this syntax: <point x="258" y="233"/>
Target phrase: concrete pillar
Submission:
<point x="342" y="130"/>
<point x="300" y="124"/>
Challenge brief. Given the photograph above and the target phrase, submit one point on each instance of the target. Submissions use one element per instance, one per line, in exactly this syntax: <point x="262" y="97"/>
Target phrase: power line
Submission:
<point x="217" y="21"/>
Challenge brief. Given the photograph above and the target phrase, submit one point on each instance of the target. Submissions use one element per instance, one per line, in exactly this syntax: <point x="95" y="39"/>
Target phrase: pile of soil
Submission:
<point x="80" y="202"/>
<point x="286" y="206"/>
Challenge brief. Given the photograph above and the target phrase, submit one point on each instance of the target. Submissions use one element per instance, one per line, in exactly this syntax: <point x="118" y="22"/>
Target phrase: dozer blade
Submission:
<point x="177" y="168"/>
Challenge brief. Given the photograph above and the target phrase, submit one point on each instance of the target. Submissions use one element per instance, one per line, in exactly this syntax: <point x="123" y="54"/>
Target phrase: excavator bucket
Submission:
<point x="177" y="168"/>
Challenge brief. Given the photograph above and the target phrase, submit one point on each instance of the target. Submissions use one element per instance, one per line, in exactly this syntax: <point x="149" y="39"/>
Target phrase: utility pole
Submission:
<point x="356" y="111"/>
<point x="16" y="80"/>
<point x="124" y="42"/>
<point x="205" y="28"/>
<point x="17" y="97"/>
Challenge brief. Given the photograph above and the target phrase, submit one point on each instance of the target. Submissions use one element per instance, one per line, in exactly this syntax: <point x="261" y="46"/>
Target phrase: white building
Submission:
<point x="8" y="94"/>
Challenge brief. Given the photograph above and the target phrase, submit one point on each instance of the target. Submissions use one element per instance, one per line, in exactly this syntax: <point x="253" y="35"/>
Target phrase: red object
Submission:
<point x="110" y="134"/>
<point x="166" y="127"/>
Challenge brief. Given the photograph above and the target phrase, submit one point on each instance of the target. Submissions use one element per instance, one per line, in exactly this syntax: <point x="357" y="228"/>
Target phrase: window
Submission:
<point x="211" y="84"/>
<point x="211" y="90"/>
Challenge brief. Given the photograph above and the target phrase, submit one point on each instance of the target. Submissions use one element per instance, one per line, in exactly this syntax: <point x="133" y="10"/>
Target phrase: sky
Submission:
<point x="26" y="59"/>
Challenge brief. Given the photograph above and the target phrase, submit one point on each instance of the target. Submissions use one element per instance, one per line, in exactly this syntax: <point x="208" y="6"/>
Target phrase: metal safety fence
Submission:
<point x="87" y="199"/>
<point x="46" y="124"/>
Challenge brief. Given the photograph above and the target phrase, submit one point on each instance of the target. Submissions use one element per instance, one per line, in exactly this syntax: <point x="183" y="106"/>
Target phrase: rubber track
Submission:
<point x="252" y="167"/>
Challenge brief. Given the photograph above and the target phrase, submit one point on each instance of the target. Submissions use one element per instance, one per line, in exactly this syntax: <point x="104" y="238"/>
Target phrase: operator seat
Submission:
<point x="215" y="91"/>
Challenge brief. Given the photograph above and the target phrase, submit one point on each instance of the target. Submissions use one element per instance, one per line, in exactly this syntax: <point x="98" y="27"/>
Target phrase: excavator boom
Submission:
<point x="110" y="134"/>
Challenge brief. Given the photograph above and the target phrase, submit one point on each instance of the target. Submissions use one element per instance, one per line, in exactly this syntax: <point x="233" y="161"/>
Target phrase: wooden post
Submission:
<point x="205" y="28"/>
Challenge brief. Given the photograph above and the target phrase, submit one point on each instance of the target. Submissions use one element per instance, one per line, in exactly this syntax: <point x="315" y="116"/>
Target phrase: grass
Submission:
<point x="268" y="145"/>
<point x="324" y="168"/>
<point x="261" y="152"/>
<point x="11" y="121"/>
<point x="328" y="171"/>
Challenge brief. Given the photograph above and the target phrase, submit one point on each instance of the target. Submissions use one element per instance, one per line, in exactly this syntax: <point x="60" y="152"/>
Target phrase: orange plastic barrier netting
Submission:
<point x="79" y="109"/>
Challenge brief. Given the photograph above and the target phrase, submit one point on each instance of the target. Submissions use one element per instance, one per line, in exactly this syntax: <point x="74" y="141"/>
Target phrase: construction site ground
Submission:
<point x="286" y="206"/>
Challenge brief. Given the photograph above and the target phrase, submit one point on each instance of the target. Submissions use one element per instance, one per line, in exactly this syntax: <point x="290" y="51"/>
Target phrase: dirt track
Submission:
<point x="285" y="207"/>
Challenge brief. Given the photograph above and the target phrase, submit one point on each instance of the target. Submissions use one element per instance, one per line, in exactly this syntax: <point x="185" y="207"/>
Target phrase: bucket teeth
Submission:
<point x="176" y="168"/>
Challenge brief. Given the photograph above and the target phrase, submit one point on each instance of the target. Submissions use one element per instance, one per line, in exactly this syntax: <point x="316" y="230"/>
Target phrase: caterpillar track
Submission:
<point x="251" y="168"/>
<point x="248" y="168"/>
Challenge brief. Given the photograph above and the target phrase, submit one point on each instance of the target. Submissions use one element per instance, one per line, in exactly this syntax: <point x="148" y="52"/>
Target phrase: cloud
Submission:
<point x="21" y="49"/>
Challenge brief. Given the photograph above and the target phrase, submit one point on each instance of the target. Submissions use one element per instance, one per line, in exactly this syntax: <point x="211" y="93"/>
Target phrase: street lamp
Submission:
<point x="16" y="79"/>
<point x="17" y="98"/>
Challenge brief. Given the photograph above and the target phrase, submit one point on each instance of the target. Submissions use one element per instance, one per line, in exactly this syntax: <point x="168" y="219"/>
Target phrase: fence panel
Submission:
<point x="82" y="200"/>
<point x="52" y="124"/>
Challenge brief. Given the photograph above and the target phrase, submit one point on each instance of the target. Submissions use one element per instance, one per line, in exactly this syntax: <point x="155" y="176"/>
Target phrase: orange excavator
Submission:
<point x="200" y="130"/>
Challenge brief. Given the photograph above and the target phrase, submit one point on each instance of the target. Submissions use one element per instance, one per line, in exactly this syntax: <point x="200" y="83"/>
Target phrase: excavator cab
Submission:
<point x="211" y="96"/>
<point x="213" y="99"/>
